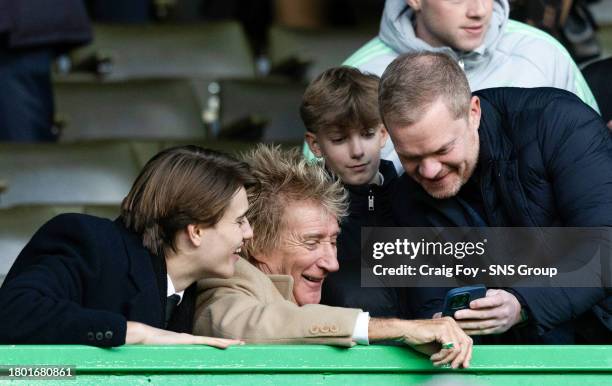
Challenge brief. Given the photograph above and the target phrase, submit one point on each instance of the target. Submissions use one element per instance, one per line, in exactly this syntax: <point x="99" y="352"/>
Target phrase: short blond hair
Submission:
<point x="414" y="81"/>
<point x="283" y="177"/>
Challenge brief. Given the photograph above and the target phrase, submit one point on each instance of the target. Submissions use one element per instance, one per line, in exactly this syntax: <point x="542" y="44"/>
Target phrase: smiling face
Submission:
<point x="440" y="152"/>
<point x="352" y="154"/>
<point x="460" y="24"/>
<point x="306" y="249"/>
<point x="218" y="246"/>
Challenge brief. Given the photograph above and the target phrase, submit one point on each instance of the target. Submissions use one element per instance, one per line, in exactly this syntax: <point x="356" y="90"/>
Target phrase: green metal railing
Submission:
<point x="319" y="365"/>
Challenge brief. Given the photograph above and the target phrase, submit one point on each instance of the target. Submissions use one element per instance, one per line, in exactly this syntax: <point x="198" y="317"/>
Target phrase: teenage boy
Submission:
<point x="340" y="111"/>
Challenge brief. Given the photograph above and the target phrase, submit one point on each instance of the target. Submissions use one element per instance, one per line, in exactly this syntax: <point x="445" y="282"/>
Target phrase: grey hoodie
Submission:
<point x="513" y="54"/>
<point x="397" y="32"/>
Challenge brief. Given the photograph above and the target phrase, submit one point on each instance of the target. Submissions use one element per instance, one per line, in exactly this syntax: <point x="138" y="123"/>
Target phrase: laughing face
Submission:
<point x="440" y="151"/>
<point x="306" y="251"/>
<point x="221" y="244"/>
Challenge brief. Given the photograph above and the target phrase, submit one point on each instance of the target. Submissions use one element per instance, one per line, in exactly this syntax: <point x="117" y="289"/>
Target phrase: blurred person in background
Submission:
<point x="598" y="75"/>
<point x="492" y="50"/>
<point x="32" y="34"/>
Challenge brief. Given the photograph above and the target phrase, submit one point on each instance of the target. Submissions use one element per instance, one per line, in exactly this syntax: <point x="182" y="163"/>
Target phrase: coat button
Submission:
<point x="99" y="335"/>
<point x="90" y="335"/>
<point x="325" y="329"/>
<point x="108" y="335"/>
<point x="314" y="329"/>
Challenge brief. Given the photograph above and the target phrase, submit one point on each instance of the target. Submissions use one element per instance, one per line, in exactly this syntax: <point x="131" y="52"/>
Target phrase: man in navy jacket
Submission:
<point x="504" y="157"/>
<point x="88" y="280"/>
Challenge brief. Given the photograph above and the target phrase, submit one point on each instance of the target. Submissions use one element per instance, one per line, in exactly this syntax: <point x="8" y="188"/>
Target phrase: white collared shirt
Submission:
<point x="171" y="290"/>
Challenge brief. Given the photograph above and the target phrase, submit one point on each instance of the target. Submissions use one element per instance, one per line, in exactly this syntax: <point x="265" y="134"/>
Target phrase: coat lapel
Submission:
<point x="147" y="306"/>
<point x="284" y="285"/>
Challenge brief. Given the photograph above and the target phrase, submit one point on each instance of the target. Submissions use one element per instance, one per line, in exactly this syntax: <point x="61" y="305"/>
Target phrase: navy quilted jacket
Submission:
<point x="545" y="161"/>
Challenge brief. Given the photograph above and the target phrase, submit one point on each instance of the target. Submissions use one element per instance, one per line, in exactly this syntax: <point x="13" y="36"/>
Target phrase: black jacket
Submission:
<point x="61" y="24"/>
<point x="370" y="206"/>
<point x="79" y="280"/>
<point x="545" y="161"/>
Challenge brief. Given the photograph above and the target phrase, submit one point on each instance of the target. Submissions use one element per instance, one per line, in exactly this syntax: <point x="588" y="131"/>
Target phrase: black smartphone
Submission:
<point x="460" y="298"/>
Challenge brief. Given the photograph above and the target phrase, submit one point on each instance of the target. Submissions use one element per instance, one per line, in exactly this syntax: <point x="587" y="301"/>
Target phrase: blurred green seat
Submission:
<point x="209" y="50"/>
<point x="88" y="173"/>
<point x="137" y="109"/>
<point x="271" y="103"/>
<point x="318" y="49"/>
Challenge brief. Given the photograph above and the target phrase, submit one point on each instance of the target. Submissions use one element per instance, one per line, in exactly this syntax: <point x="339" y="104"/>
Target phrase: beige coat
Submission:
<point x="260" y="308"/>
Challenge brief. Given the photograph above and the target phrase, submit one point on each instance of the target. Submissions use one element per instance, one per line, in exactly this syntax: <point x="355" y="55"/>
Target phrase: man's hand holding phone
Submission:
<point x="496" y="313"/>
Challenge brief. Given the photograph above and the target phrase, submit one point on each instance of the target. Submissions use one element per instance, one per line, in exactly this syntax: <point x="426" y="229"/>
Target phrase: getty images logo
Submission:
<point x="413" y="249"/>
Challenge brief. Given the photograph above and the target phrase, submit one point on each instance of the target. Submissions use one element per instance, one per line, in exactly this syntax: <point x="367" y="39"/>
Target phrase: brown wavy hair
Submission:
<point x="181" y="186"/>
<point x="341" y="97"/>
<point x="414" y="81"/>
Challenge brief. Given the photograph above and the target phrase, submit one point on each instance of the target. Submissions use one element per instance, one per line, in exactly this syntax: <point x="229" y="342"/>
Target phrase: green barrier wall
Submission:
<point x="314" y="365"/>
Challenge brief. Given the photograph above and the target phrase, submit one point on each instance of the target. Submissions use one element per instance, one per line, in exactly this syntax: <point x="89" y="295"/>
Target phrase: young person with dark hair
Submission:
<point x="340" y="111"/>
<point x="88" y="280"/>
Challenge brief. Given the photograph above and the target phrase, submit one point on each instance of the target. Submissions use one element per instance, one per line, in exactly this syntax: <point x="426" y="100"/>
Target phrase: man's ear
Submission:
<point x="414" y="4"/>
<point x="194" y="234"/>
<point x="313" y="143"/>
<point x="474" y="114"/>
